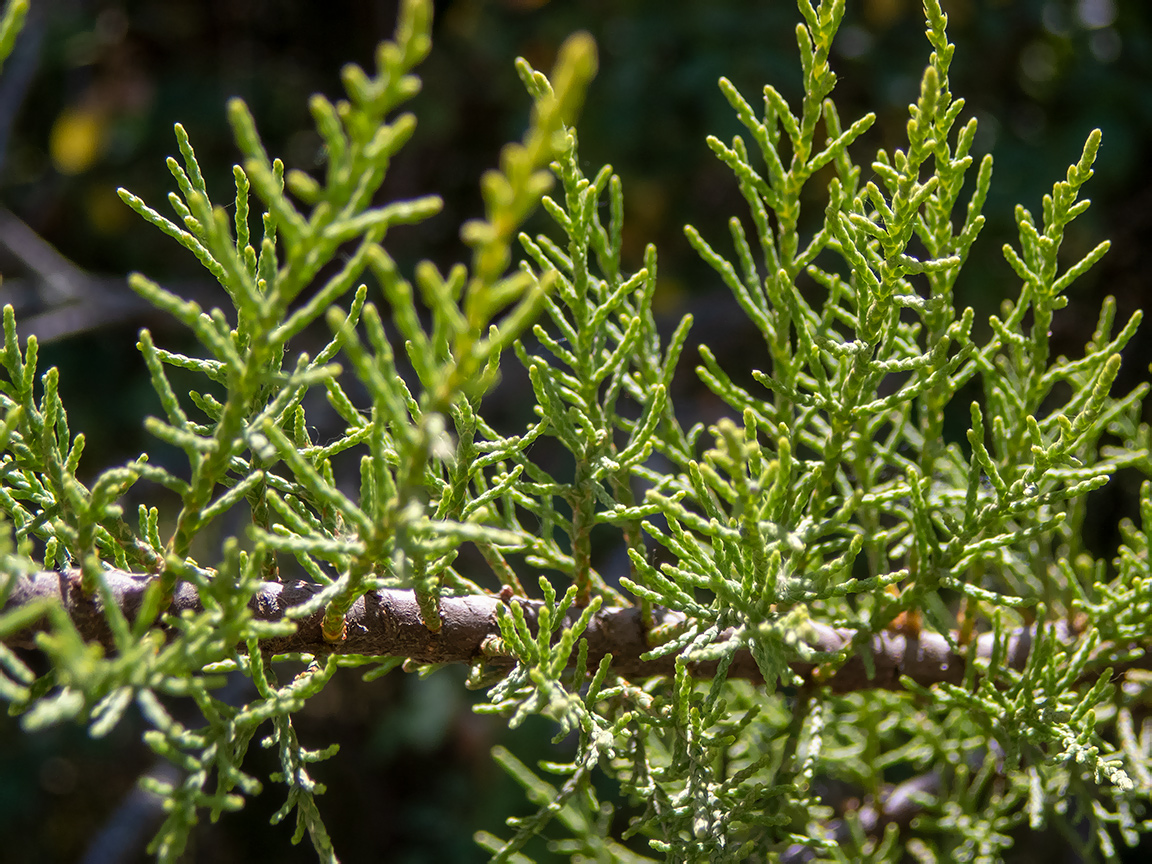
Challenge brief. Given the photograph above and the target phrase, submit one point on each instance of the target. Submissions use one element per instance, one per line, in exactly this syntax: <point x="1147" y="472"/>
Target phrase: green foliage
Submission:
<point x="11" y="22"/>
<point x="832" y="496"/>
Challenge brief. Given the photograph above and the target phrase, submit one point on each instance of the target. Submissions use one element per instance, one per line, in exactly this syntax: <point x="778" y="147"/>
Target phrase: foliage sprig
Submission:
<point x="824" y="540"/>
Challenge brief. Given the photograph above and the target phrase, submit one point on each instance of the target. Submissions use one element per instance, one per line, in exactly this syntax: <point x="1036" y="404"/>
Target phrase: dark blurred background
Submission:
<point x="87" y="104"/>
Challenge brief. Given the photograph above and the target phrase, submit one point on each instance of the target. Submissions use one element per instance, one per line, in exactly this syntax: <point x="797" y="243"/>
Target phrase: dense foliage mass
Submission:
<point x="828" y="589"/>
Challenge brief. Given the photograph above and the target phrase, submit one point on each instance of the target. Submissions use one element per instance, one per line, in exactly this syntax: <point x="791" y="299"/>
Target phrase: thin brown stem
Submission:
<point x="387" y="622"/>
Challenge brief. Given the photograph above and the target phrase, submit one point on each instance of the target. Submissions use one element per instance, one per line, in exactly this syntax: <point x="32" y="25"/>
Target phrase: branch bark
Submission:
<point x="387" y="622"/>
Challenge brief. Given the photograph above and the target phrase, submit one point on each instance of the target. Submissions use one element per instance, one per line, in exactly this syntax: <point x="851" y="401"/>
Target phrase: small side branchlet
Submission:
<point x="824" y="587"/>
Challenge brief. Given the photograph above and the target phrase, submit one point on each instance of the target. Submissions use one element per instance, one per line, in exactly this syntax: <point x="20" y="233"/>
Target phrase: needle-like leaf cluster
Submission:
<point x="833" y="495"/>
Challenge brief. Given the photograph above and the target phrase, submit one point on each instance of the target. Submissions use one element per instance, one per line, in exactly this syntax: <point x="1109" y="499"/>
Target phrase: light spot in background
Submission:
<point x="1038" y="62"/>
<point x="669" y="297"/>
<point x="58" y="776"/>
<point x="106" y="213"/>
<point x="987" y="131"/>
<point x="306" y="150"/>
<point x="1096" y="14"/>
<point x="958" y="12"/>
<point x="76" y="140"/>
<point x="882" y="13"/>
<point x="1105" y="45"/>
<point x="1053" y="20"/>
<point x="853" y="42"/>
<point x="1028" y="122"/>
<point x="112" y="26"/>
<point x="902" y="90"/>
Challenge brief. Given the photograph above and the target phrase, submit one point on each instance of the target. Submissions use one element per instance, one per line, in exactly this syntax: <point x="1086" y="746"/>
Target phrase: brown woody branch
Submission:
<point x="387" y="622"/>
